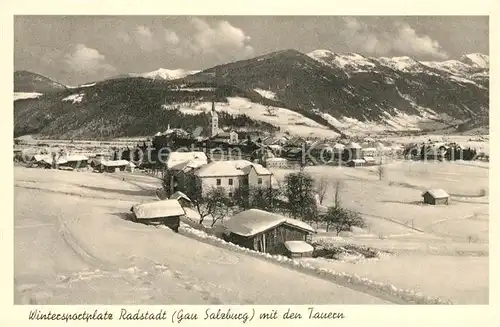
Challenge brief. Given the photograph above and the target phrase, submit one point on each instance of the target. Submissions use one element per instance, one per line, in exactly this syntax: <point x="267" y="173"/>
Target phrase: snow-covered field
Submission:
<point x="285" y="119"/>
<point x="432" y="246"/>
<point x="479" y="142"/>
<point x="74" y="245"/>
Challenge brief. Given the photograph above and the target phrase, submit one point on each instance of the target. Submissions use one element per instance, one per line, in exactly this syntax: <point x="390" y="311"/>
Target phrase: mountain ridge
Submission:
<point x="335" y="90"/>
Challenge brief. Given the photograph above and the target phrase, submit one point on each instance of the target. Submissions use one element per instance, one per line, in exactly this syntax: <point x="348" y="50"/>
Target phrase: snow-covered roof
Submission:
<point x="179" y="195"/>
<point x="230" y="168"/>
<point x="276" y="160"/>
<point x="76" y="157"/>
<point x="254" y="221"/>
<point x="339" y="146"/>
<point x="187" y="165"/>
<point x="353" y="145"/>
<point x="437" y="193"/>
<point x="157" y="209"/>
<point x="42" y="157"/>
<point x="175" y="158"/>
<point x="299" y="246"/>
<point x="275" y="146"/>
<point x="259" y="169"/>
<point x="114" y="163"/>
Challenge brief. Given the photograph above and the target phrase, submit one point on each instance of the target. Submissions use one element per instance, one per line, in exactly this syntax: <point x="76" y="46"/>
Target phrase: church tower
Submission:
<point x="214" y="115"/>
<point x="214" y="121"/>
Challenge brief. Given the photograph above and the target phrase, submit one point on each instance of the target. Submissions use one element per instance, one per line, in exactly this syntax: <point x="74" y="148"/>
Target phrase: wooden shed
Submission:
<point x="436" y="196"/>
<point x="265" y="231"/>
<point x="165" y="212"/>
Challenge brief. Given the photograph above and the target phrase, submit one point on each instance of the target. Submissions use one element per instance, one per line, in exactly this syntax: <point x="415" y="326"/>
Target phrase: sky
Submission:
<point x="78" y="49"/>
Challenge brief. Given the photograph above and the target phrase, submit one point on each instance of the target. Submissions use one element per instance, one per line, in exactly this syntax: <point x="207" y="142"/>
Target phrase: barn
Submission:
<point x="267" y="232"/>
<point x="436" y="196"/>
<point x="165" y="212"/>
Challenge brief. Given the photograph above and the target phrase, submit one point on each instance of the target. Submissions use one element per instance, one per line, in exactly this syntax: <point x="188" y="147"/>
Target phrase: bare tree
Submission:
<point x="321" y="187"/>
<point x="336" y="194"/>
<point x="343" y="219"/>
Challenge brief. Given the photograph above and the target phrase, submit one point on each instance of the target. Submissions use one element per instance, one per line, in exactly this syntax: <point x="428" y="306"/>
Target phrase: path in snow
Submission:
<point x="77" y="250"/>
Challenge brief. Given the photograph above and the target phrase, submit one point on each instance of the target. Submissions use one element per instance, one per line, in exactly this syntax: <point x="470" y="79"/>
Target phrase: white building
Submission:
<point x="233" y="173"/>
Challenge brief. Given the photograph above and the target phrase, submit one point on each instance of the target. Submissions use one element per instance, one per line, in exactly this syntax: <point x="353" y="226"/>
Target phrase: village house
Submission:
<point x="233" y="173"/>
<point x="436" y="196"/>
<point x="352" y="151"/>
<point x="165" y="212"/>
<point x="180" y="164"/>
<point x="276" y="163"/>
<point x="268" y="232"/>
<point x="356" y="163"/>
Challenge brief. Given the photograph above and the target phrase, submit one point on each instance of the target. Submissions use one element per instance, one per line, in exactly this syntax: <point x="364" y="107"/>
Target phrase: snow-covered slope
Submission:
<point x="285" y="119"/>
<point x="166" y="74"/>
<point x="403" y="63"/>
<point x="79" y="86"/>
<point x="26" y="95"/>
<point x="352" y="62"/>
<point x="60" y="259"/>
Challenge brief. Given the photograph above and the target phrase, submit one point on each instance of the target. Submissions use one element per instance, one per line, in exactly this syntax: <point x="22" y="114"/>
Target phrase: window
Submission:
<point x="259" y="181"/>
<point x="230" y="194"/>
<point x="230" y="181"/>
<point x="219" y="183"/>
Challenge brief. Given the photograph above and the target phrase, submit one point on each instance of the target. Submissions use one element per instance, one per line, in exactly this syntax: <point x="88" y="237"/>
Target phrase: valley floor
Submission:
<point x="73" y="245"/>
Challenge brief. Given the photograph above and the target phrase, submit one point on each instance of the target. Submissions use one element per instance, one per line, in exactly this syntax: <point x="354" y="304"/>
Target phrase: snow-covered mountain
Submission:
<point x="477" y="60"/>
<point x="474" y="64"/>
<point x="166" y="74"/>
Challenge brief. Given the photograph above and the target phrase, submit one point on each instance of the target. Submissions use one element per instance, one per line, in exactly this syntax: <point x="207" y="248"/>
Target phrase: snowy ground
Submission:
<point x="438" y="250"/>
<point x="74" y="245"/>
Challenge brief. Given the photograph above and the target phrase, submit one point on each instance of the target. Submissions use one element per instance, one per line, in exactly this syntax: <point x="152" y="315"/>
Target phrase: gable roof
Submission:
<point x="157" y="209"/>
<point x="230" y="168"/>
<point x="437" y="193"/>
<point x="179" y="195"/>
<point x="353" y="145"/>
<point x="175" y="158"/>
<point x="255" y="221"/>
